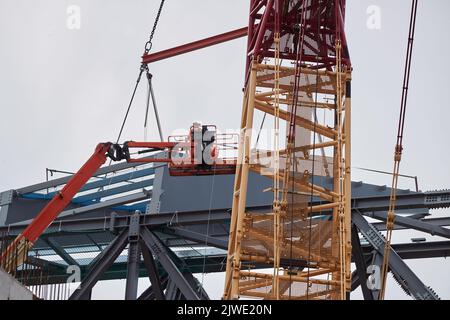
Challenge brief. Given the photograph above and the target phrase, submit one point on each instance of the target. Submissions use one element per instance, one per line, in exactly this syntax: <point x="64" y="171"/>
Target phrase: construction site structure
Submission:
<point x="194" y="154"/>
<point x="298" y="73"/>
<point x="289" y="228"/>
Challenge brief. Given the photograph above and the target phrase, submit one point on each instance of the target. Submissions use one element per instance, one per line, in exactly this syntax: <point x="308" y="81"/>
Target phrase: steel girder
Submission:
<point x="197" y="45"/>
<point x="133" y="257"/>
<point x="215" y="263"/>
<point x="180" y="225"/>
<point x="181" y="285"/>
<point x="409" y="223"/>
<point x="100" y="265"/>
<point x="201" y="238"/>
<point x="190" y="226"/>
<point x="150" y="293"/>
<point x="401" y="271"/>
<point x="61" y="252"/>
<point x="176" y="277"/>
<point x="367" y="205"/>
<point x="361" y="266"/>
<point x="60" y="181"/>
<point x="409" y="201"/>
<point x="157" y="285"/>
<point x="441" y="222"/>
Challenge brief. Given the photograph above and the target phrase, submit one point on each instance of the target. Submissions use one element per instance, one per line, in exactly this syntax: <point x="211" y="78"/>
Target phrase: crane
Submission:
<point x="398" y="150"/>
<point x="298" y="64"/>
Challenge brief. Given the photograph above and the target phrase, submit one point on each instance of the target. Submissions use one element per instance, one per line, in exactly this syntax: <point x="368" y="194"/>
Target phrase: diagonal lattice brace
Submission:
<point x="399" y="268"/>
<point x="361" y="266"/>
<point x="156" y="282"/>
<point x="159" y="250"/>
<point x="150" y="293"/>
<point x="105" y="260"/>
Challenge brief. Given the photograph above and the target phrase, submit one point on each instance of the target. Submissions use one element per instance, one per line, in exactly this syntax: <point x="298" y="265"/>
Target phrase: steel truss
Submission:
<point x="108" y="226"/>
<point x="178" y="280"/>
<point x="103" y="214"/>
<point x="308" y="34"/>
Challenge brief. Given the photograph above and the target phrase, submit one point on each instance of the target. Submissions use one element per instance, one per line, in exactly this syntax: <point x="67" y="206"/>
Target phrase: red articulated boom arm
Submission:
<point x="17" y="251"/>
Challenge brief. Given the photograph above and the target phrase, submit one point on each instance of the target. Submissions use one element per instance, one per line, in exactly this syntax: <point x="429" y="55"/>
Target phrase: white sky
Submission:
<point x="62" y="91"/>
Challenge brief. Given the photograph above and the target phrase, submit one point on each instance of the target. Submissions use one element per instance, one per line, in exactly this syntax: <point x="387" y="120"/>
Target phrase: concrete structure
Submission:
<point x="11" y="289"/>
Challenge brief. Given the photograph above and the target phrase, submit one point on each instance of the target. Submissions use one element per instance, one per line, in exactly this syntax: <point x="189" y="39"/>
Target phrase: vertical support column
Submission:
<point x="277" y="224"/>
<point x="172" y="291"/>
<point x="5" y="200"/>
<point x="184" y="282"/>
<point x="341" y="213"/>
<point x="100" y="265"/>
<point x="152" y="272"/>
<point x="335" y="227"/>
<point x="348" y="182"/>
<point x="88" y="295"/>
<point x="234" y="218"/>
<point x="240" y="192"/>
<point x="361" y="267"/>
<point x="134" y="255"/>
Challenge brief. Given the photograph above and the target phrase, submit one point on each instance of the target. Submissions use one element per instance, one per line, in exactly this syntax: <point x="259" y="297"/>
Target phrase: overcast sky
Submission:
<point x="64" y="90"/>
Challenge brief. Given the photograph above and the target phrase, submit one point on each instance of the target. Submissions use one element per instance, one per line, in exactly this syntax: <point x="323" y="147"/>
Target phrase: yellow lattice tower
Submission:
<point x="302" y="248"/>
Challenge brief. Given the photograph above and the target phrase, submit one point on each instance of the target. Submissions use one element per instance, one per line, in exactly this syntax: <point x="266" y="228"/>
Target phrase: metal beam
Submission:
<point x="144" y="194"/>
<point x="397" y="265"/>
<point x="214" y="263"/>
<point x="423" y="250"/>
<point x="61" y="252"/>
<point x="149" y="262"/>
<point x="373" y="259"/>
<point x="150" y="292"/>
<point x="113" y="191"/>
<point x="45" y="264"/>
<point x="194" y="283"/>
<point x="363" y="204"/>
<point x="200" y="238"/>
<point x="377" y="260"/>
<point x="413" y="200"/>
<point x="60" y="181"/>
<point x="172" y="292"/>
<point x="103" y="183"/>
<point x="440" y="222"/>
<point x="133" y="259"/>
<point x="413" y="224"/>
<point x="361" y="267"/>
<point x="158" y="249"/>
<point x="107" y="258"/>
<point x="149" y="220"/>
<point x="132" y="279"/>
<point x="197" y="45"/>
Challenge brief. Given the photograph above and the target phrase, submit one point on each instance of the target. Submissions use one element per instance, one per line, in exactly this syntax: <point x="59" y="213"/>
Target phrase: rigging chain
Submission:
<point x="398" y="151"/>
<point x="149" y="44"/>
<point x="144" y="67"/>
